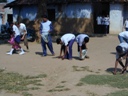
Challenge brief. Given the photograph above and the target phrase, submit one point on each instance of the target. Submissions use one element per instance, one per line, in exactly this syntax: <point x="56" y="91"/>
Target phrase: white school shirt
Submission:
<point x="16" y="30"/>
<point x="66" y="38"/>
<point x="125" y="49"/>
<point x="22" y="28"/>
<point x="126" y="24"/>
<point x="45" y="26"/>
<point x="80" y="39"/>
<point x="99" y="19"/>
<point x="124" y="34"/>
<point x="106" y="20"/>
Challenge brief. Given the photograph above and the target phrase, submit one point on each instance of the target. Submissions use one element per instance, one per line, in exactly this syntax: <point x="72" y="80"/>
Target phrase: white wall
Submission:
<point x="8" y="1"/>
<point x="7" y="11"/>
<point x="116" y="18"/>
<point x="27" y="12"/>
<point x="76" y="11"/>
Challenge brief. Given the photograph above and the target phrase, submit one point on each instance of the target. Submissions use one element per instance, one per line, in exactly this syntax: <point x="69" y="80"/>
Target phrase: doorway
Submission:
<point x="51" y="14"/>
<point x="10" y="18"/>
<point x="100" y="9"/>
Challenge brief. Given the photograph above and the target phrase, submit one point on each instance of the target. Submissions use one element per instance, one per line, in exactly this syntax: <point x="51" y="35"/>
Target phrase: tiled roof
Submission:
<point x="33" y="2"/>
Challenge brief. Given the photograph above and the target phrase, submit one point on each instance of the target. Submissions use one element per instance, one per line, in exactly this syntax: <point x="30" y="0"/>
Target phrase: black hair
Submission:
<point x="17" y="23"/>
<point x="58" y="40"/>
<point x="119" y="49"/>
<point x="44" y="16"/>
<point x="86" y="39"/>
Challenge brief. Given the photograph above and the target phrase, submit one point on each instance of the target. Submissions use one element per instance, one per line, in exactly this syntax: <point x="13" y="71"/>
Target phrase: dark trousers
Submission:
<point x="69" y="51"/>
<point x="49" y="45"/>
<point x="106" y="29"/>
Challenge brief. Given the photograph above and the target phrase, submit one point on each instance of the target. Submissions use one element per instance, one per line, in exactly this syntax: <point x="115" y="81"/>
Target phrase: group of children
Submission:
<point x="67" y="41"/>
<point x="18" y="33"/>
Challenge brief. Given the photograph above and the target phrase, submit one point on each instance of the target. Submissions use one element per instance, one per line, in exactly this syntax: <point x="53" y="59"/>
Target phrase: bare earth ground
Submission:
<point x="101" y="51"/>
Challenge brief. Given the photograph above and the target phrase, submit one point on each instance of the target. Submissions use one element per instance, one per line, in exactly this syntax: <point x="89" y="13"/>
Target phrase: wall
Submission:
<point x="3" y="14"/>
<point x="116" y="18"/>
<point x="25" y="12"/>
<point x="9" y="1"/>
<point x="125" y="12"/>
<point x="74" y="18"/>
<point x="7" y="11"/>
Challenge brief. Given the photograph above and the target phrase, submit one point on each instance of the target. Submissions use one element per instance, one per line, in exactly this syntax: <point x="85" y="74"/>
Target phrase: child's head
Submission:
<point x="45" y="17"/>
<point x="119" y="49"/>
<point x="58" y="41"/>
<point x="17" y="24"/>
<point x="86" y="39"/>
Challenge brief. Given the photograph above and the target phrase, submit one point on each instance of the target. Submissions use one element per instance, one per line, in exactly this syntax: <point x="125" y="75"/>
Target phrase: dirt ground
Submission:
<point x="101" y="51"/>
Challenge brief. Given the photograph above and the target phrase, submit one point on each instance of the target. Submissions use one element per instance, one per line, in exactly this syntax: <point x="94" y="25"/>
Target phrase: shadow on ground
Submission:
<point x="110" y="70"/>
<point x="114" y="53"/>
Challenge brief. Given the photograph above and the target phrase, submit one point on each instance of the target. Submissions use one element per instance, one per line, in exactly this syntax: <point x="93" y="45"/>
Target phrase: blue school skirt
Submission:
<point x="17" y="39"/>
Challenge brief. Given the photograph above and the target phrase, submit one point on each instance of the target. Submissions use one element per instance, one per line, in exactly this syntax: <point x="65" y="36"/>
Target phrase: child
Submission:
<point x="12" y="42"/>
<point x="66" y="42"/>
<point x="82" y="40"/>
<point x="123" y="36"/>
<point x="121" y="53"/>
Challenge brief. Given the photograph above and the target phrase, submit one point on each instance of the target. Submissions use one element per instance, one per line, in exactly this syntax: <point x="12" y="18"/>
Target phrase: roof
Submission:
<point x="35" y="2"/>
<point x="21" y="2"/>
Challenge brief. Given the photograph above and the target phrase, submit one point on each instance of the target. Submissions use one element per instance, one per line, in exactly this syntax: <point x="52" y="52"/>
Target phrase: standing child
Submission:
<point x="66" y="42"/>
<point x="45" y="30"/>
<point x="82" y="40"/>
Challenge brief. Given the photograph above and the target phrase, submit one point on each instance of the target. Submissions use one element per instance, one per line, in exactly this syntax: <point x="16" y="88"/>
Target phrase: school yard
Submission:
<point x="63" y="76"/>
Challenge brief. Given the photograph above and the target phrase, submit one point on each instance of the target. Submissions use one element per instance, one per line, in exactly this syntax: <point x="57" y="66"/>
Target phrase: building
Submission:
<point x="77" y="16"/>
<point x="5" y="14"/>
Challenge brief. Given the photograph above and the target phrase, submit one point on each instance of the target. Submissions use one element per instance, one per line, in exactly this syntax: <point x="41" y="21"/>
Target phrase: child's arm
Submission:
<point x="115" y="69"/>
<point x="25" y="33"/>
<point x="65" y="52"/>
<point x="60" y="52"/>
<point x="80" y="51"/>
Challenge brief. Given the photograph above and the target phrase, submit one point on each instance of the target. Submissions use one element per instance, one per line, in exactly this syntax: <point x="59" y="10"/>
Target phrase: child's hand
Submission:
<point x="124" y="57"/>
<point x="22" y="38"/>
